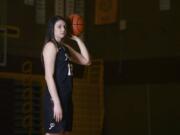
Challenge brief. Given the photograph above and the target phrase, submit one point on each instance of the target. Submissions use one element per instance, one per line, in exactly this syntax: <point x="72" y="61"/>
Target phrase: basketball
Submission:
<point x="77" y="24"/>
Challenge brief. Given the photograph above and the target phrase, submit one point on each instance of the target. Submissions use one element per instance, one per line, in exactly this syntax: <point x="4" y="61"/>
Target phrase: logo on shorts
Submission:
<point x="52" y="124"/>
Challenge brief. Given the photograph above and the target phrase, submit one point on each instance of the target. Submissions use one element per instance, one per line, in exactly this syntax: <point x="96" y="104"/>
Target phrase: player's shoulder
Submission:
<point x="49" y="49"/>
<point x="50" y="46"/>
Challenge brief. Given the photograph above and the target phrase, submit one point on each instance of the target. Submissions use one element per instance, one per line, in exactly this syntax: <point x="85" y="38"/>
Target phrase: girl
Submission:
<point x="57" y="60"/>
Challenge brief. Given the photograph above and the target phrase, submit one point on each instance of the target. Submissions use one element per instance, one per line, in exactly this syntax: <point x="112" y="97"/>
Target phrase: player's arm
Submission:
<point x="49" y="54"/>
<point x="83" y="57"/>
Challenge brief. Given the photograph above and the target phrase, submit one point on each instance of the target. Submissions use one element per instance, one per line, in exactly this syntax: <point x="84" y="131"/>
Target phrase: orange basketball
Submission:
<point x="77" y="24"/>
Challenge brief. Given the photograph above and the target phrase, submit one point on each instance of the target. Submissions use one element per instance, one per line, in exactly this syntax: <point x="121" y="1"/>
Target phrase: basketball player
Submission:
<point x="57" y="60"/>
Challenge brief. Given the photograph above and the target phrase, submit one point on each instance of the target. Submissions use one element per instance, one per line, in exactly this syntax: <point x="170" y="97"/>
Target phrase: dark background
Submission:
<point x="141" y="75"/>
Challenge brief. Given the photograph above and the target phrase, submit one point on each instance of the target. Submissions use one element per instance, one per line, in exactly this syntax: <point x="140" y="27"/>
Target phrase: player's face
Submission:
<point x="59" y="30"/>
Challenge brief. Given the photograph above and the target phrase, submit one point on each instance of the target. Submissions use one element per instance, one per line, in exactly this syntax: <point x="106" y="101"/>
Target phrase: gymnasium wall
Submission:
<point x="150" y="33"/>
<point x="141" y="67"/>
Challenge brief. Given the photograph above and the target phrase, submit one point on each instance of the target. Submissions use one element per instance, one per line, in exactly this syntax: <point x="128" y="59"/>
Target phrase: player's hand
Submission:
<point x="73" y="37"/>
<point x="57" y="112"/>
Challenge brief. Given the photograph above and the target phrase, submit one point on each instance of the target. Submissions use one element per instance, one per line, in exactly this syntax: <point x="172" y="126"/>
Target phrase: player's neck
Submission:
<point x="58" y="40"/>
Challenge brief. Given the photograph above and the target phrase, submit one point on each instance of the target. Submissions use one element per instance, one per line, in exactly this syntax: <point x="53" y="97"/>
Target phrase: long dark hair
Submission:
<point x="50" y="29"/>
<point x="49" y="36"/>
